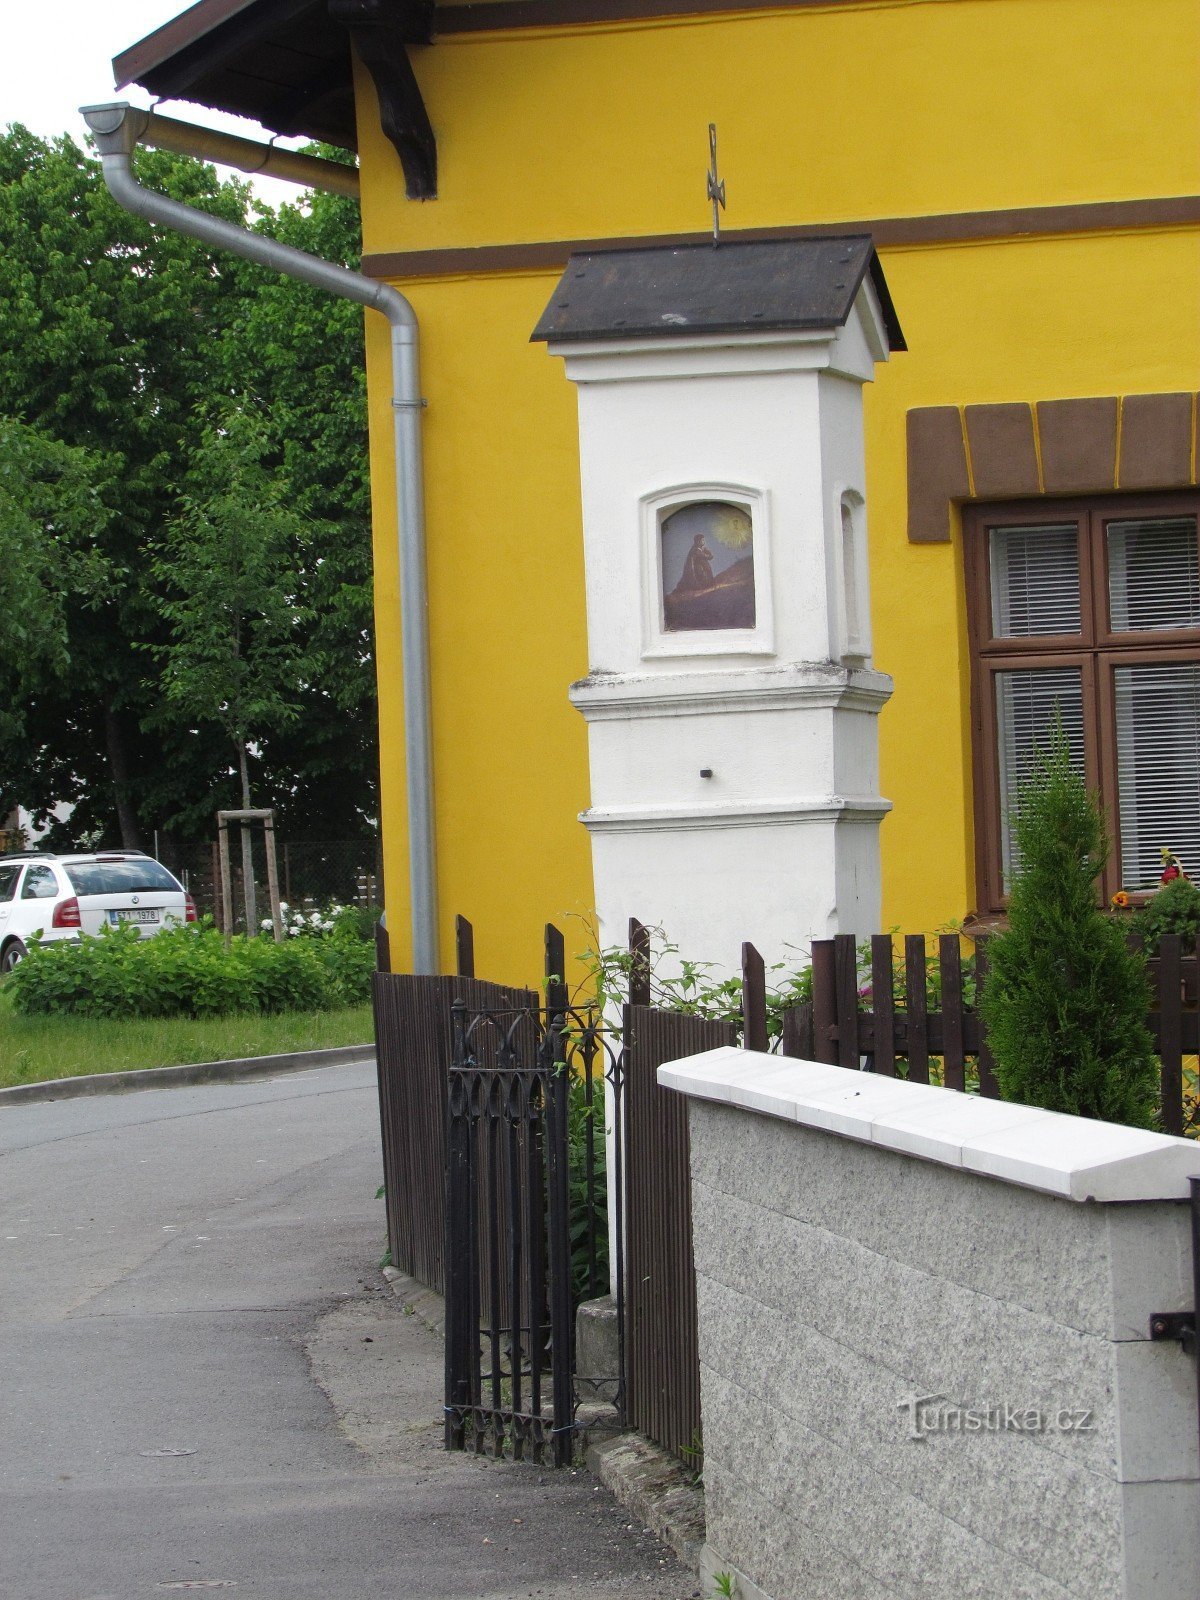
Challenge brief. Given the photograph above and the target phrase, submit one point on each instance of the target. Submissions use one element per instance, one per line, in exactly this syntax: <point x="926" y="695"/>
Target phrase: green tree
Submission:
<point x="52" y="522"/>
<point x="236" y="647"/>
<point x="299" y="353"/>
<point x="108" y="326"/>
<point x="117" y="337"/>
<point x="236" y="628"/>
<point x="1065" y="1000"/>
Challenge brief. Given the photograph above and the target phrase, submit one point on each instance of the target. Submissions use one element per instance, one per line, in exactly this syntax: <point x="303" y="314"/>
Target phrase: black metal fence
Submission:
<point x="493" y="1111"/>
<point x="527" y="1220"/>
<point x="509" y="1373"/>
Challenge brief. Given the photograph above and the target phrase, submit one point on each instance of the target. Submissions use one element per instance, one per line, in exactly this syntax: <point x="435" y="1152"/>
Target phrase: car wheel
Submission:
<point x="13" y="951"/>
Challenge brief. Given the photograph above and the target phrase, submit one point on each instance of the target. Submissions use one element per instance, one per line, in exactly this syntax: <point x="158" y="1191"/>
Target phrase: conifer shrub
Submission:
<point x="1065" y="1000"/>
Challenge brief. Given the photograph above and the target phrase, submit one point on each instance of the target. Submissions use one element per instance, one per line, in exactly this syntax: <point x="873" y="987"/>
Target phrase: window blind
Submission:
<point x="1153" y="574"/>
<point x="1158" y="768"/>
<point x="1025" y="706"/>
<point x="1035" y="580"/>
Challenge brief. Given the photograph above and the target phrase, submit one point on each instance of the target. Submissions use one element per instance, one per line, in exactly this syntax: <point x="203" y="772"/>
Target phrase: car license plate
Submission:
<point x="133" y="915"/>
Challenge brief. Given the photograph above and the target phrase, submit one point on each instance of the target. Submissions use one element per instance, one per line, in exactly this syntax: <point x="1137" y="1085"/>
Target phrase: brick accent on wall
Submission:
<point x="1011" y="451"/>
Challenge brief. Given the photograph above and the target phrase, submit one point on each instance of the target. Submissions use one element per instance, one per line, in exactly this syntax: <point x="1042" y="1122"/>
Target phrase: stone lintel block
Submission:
<point x="1079" y="444"/>
<point x="1076" y="1158"/>
<point x="1003" y="454"/>
<point x="937" y="471"/>
<point x="1156" y="441"/>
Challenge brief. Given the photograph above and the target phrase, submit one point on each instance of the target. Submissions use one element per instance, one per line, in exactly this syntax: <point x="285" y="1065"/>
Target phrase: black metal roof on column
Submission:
<point x="731" y="287"/>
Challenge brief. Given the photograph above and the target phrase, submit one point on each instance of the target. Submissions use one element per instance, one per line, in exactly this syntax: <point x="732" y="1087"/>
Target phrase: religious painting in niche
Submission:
<point x="707" y="567"/>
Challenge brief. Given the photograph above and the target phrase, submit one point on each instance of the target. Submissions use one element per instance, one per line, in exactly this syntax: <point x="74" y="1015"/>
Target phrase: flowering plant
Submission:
<point x="1172" y="867"/>
<point x="315" y="923"/>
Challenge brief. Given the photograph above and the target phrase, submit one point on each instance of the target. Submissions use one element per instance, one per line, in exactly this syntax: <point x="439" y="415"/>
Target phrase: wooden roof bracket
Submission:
<point x="380" y="30"/>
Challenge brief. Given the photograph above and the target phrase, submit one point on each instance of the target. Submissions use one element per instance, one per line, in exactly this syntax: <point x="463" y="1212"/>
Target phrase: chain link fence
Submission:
<point x="312" y="872"/>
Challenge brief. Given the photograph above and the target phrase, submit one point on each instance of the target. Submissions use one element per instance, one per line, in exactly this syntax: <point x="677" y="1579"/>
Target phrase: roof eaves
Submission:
<point x="187" y="29"/>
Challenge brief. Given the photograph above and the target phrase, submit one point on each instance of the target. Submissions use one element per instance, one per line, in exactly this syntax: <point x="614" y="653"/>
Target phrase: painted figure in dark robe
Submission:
<point x="697" y="567"/>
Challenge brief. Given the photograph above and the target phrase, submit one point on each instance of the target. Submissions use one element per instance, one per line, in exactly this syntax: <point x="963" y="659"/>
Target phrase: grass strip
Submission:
<point x="35" y="1049"/>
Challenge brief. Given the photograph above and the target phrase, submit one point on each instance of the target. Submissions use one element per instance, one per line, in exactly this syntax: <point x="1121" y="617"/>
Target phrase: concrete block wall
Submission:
<point x="839" y="1277"/>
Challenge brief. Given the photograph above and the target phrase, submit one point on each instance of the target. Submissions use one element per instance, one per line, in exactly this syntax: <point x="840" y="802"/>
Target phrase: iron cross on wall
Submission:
<point x="716" y="185"/>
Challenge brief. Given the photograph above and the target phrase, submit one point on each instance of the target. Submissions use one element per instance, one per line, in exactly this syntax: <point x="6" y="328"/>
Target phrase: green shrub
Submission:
<point x="1065" y="1000"/>
<point x="677" y="984"/>
<point x="692" y="987"/>
<point x="187" y="971"/>
<point x="1174" y="909"/>
<point x="358" y="921"/>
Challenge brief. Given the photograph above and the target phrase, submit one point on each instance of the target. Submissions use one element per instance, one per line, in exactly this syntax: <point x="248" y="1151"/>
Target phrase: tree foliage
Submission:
<point x="235" y="652"/>
<point x="121" y="344"/>
<point x="1065" y="1000"/>
<point x="53" y="518"/>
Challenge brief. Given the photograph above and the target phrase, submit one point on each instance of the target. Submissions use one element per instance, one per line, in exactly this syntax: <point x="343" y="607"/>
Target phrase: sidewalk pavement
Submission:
<point x="209" y="1385"/>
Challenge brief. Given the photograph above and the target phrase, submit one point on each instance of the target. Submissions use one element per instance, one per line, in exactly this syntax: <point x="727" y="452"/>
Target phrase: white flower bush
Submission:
<point x="298" y="924"/>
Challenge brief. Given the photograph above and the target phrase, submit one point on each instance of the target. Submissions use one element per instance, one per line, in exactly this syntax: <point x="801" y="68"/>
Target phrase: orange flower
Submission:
<point x="1120" y="901"/>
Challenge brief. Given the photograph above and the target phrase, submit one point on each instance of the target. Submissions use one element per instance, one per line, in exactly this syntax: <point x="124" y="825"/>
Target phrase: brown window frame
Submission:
<point x="1096" y="650"/>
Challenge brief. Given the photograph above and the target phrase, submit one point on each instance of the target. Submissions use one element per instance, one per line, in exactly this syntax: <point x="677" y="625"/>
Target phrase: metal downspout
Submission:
<point x="116" y="135"/>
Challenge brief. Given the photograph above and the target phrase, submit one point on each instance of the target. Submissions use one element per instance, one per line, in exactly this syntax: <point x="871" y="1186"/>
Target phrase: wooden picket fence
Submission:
<point x="909" y="1012"/>
<point x="888" y="1024"/>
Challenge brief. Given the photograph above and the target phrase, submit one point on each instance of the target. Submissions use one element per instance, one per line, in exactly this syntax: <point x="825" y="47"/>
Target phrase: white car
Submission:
<point x="64" y="897"/>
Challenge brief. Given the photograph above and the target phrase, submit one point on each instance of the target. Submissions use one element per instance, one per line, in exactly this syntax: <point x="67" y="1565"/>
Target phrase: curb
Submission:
<point x="182" y="1077"/>
<point x="644" y="1478"/>
<point x="657" y="1488"/>
<point x="424" y="1304"/>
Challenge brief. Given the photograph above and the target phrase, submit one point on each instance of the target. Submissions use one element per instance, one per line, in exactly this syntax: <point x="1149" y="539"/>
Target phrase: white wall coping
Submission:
<point x="1073" y="1157"/>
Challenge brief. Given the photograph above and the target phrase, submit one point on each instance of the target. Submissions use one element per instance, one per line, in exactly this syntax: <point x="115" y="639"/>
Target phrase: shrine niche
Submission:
<point x="730" y="700"/>
<point x="706" y="567"/>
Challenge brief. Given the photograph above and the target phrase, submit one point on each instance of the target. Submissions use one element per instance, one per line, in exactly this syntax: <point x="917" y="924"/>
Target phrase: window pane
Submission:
<point x="1035" y="580"/>
<point x="40" y="884"/>
<point x="119" y="877"/>
<point x="1158" y="768"/>
<point x="1025" y="703"/>
<point x="1153" y="574"/>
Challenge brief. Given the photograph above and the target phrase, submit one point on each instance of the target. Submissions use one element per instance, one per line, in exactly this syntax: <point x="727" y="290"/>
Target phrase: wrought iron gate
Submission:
<point x="526" y="1223"/>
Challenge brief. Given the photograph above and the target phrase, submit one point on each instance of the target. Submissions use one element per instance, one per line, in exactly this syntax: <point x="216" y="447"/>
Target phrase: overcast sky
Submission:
<point x="57" y="57"/>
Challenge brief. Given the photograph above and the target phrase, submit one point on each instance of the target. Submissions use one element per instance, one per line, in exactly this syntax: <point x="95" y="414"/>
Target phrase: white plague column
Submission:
<point x="731" y="701"/>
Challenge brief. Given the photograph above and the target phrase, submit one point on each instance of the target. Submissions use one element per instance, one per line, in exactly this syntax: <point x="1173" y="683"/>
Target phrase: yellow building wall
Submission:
<point x="506" y="621"/>
<point x="829" y="113"/>
<point x="1045" y="319"/>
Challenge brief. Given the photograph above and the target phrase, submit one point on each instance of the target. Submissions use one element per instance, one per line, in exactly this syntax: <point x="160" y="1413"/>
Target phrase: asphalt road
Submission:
<point x="206" y="1385"/>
